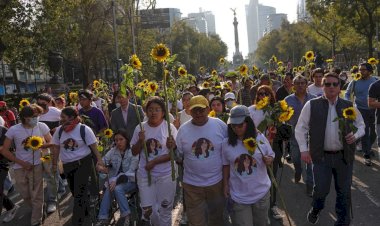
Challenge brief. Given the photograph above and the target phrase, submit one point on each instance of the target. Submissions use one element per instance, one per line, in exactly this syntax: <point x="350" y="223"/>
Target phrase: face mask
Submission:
<point x="210" y="97"/>
<point x="229" y="103"/>
<point x="33" y="121"/>
<point x="118" y="105"/>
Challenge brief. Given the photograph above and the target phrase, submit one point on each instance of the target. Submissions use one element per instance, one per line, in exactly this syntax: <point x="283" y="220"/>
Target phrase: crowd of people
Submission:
<point x="225" y="162"/>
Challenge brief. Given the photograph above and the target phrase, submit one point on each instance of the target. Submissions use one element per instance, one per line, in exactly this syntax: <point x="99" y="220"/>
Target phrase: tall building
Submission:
<point x="159" y="18"/>
<point x="204" y="22"/>
<point x="274" y="21"/>
<point x="302" y="13"/>
<point x="256" y="15"/>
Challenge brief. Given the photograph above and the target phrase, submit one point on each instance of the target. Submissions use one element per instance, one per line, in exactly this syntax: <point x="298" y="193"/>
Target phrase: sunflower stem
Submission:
<point x="274" y="181"/>
<point x="168" y="123"/>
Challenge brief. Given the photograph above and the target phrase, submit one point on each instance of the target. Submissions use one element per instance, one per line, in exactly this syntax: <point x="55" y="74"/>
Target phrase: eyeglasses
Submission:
<point x="330" y="84"/>
<point x="263" y="94"/>
<point x="299" y="83"/>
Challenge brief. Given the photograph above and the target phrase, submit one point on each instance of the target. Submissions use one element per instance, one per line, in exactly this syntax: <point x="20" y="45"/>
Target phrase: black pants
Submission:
<point x="77" y="174"/>
<point x="4" y="200"/>
<point x="277" y="149"/>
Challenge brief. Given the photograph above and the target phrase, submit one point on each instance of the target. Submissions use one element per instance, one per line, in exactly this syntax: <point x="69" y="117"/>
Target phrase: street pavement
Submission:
<point x="365" y="201"/>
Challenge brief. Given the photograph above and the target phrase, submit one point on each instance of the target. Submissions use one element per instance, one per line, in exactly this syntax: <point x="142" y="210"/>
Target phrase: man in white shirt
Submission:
<point x="316" y="88"/>
<point x="317" y="134"/>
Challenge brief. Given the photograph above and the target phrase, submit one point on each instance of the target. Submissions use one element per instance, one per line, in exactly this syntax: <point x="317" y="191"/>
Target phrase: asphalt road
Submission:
<point x="365" y="200"/>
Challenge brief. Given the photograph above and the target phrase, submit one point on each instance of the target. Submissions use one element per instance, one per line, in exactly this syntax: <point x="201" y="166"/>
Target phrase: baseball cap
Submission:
<point x="238" y="114"/>
<point x="85" y="94"/>
<point x="3" y="104"/>
<point x="229" y="95"/>
<point x="198" y="101"/>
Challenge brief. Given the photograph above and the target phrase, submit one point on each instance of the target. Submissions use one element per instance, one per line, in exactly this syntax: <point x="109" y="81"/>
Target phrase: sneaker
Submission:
<point x="313" y="216"/>
<point x="275" y="214"/>
<point x="10" y="214"/>
<point x="52" y="207"/>
<point x="101" y="222"/>
<point x="126" y="221"/>
<point x="61" y="194"/>
<point x="368" y="162"/>
<point x="288" y="158"/>
<point x="64" y="182"/>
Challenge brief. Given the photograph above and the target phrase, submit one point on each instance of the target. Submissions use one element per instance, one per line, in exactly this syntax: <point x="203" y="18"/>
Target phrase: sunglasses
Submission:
<point x="330" y="84"/>
<point x="262" y="94"/>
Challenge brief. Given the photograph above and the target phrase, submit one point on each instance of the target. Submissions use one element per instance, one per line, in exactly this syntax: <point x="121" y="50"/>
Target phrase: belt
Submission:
<point x="332" y="152"/>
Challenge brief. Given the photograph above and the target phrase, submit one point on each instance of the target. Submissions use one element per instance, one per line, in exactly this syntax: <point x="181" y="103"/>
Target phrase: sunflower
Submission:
<point x="214" y="73"/>
<point x="152" y="87"/>
<point x="299" y="69"/>
<point x="73" y="96"/>
<point x="34" y="142"/>
<point x="329" y="60"/>
<point x="357" y="76"/>
<point x="243" y="69"/>
<point x="255" y="70"/>
<point x="212" y="114"/>
<point x="283" y="105"/>
<point x="311" y="65"/>
<point x="280" y="63"/>
<point x="95" y="84"/>
<point x="349" y="113"/>
<point x="222" y="60"/>
<point x="45" y="158"/>
<point x="373" y="61"/>
<point x="295" y="70"/>
<point x="206" y="85"/>
<point x="262" y="103"/>
<point x="202" y="69"/>
<point x="141" y="85"/>
<point x="273" y="58"/>
<point x="309" y="55"/>
<point x="285" y="116"/>
<point x="62" y="96"/>
<point x="135" y="62"/>
<point x="160" y="52"/>
<point x="108" y="133"/>
<point x="24" y="103"/>
<point x="250" y="144"/>
<point x="182" y="71"/>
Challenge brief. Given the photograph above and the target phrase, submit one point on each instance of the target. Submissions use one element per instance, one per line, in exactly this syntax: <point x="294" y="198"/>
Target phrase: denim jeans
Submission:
<point x="122" y="201"/>
<point x="332" y="165"/>
<point x="51" y="186"/>
<point x="370" y="133"/>
<point x="8" y="182"/>
<point x="4" y="200"/>
<point x="296" y="158"/>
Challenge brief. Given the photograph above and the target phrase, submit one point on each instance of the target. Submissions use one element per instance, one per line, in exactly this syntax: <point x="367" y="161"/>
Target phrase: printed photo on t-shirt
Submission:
<point x="70" y="144"/>
<point x="245" y="165"/>
<point x="153" y="147"/>
<point x="202" y="148"/>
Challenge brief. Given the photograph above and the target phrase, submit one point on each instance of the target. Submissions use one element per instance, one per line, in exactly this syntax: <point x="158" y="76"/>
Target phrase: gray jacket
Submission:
<point x="128" y="163"/>
<point x="117" y="120"/>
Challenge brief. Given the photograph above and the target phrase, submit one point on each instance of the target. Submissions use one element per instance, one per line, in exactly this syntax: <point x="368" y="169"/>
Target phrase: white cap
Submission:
<point x="229" y="95"/>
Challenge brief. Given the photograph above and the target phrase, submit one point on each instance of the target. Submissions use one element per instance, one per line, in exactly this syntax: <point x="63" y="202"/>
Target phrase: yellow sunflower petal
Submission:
<point x="160" y="52"/>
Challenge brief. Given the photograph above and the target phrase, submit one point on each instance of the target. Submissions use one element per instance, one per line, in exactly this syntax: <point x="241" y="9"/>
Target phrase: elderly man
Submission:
<point x="331" y="151"/>
<point x="199" y="144"/>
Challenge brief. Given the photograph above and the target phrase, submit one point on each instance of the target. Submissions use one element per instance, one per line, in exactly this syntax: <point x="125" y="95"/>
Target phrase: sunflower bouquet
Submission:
<point x="105" y="140"/>
<point x="346" y="121"/>
<point x="275" y="115"/>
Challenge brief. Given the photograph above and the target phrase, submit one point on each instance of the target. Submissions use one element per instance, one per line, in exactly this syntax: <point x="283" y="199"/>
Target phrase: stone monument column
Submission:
<point x="238" y="57"/>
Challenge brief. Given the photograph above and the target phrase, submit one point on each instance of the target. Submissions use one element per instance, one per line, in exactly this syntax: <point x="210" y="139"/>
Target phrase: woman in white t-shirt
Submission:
<point x="184" y="115"/>
<point x="28" y="169"/>
<point x="158" y="197"/>
<point x="73" y="143"/>
<point x="245" y="177"/>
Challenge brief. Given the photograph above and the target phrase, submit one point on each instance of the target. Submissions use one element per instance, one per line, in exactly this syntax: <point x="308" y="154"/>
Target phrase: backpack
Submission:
<point x="82" y="133"/>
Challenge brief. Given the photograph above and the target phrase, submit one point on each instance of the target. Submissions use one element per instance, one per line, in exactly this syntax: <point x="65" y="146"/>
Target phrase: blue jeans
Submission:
<point x="333" y="165"/>
<point x="122" y="201"/>
<point x="296" y="158"/>
<point x="7" y="182"/>
<point x="50" y="187"/>
<point x="370" y="132"/>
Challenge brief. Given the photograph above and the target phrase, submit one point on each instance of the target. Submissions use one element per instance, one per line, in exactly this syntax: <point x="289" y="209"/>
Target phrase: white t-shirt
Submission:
<point x="155" y="138"/>
<point x="19" y="134"/>
<point x="314" y="90"/>
<point x="72" y="147"/>
<point x="53" y="115"/>
<point x="2" y="122"/>
<point x="249" y="180"/>
<point x="257" y="115"/>
<point x="201" y="149"/>
<point x="184" y="117"/>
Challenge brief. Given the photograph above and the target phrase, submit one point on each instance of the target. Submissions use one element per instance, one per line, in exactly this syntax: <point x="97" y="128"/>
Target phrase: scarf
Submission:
<point x="70" y="125"/>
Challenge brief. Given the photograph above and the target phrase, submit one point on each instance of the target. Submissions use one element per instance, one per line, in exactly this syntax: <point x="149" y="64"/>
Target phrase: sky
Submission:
<point x="224" y="16"/>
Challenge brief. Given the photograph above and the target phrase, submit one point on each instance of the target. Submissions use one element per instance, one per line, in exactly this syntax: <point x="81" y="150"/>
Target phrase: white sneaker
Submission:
<point x="51" y="208"/>
<point x="10" y="214"/>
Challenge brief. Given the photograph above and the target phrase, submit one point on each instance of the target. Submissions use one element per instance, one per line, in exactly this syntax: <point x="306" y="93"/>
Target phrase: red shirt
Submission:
<point x="8" y="117"/>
